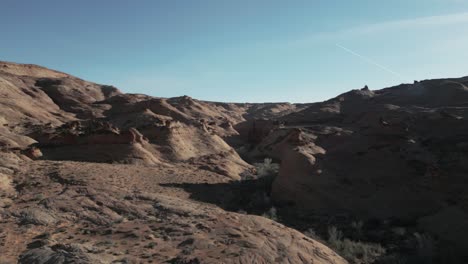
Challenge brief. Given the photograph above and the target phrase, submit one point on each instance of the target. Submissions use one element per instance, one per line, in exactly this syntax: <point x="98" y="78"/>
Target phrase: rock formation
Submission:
<point x="89" y="174"/>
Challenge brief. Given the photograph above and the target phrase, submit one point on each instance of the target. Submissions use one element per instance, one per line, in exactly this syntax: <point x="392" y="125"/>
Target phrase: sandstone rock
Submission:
<point x="36" y="216"/>
<point x="59" y="253"/>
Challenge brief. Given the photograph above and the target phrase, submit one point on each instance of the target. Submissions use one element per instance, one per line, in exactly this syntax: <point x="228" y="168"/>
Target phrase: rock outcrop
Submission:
<point x="89" y="174"/>
<point x="82" y="218"/>
<point x="395" y="153"/>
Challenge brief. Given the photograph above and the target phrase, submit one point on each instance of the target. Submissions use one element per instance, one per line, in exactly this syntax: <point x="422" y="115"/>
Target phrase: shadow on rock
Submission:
<point x="248" y="196"/>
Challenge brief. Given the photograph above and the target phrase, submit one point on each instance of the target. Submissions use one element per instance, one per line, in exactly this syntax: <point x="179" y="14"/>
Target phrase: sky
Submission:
<point x="243" y="50"/>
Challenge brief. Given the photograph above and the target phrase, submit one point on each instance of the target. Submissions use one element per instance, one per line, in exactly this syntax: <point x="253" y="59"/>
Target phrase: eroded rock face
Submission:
<point x="384" y="154"/>
<point x="61" y="112"/>
<point x="253" y="131"/>
<point x="97" y="141"/>
<point x="77" y="96"/>
<point x="58" y="253"/>
<point x="370" y="165"/>
<point x="74" y="205"/>
<point x="397" y="153"/>
<point x="36" y="216"/>
<point x="225" y="163"/>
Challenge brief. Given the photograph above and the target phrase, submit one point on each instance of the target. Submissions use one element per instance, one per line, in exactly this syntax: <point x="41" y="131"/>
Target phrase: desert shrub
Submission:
<point x="353" y="251"/>
<point x="425" y="244"/>
<point x="420" y="249"/>
<point x="267" y="168"/>
<point x="151" y="245"/>
<point x="119" y="220"/>
<point x="361" y="252"/>
<point x="399" y="231"/>
<point x="425" y="247"/>
<point x="271" y="214"/>
<point x="357" y="228"/>
<point x="334" y="237"/>
<point x="105" y="243"/>
<point x="312" y="234"/>
<point x="38" y="197"/>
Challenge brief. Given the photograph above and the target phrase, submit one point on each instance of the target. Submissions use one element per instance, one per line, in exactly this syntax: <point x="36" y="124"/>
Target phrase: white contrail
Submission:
<point x="371" y="61"/>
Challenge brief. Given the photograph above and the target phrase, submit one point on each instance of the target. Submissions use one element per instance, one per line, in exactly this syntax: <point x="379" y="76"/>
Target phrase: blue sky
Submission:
<point x="243" y="50"/>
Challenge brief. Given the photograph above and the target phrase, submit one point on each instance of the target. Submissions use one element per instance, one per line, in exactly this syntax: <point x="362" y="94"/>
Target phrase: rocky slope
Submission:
<point x="397" y="153"/>
<point x="85" y="175"/>
<point x="89" y="174"/>
<point x="68" y="212"/>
